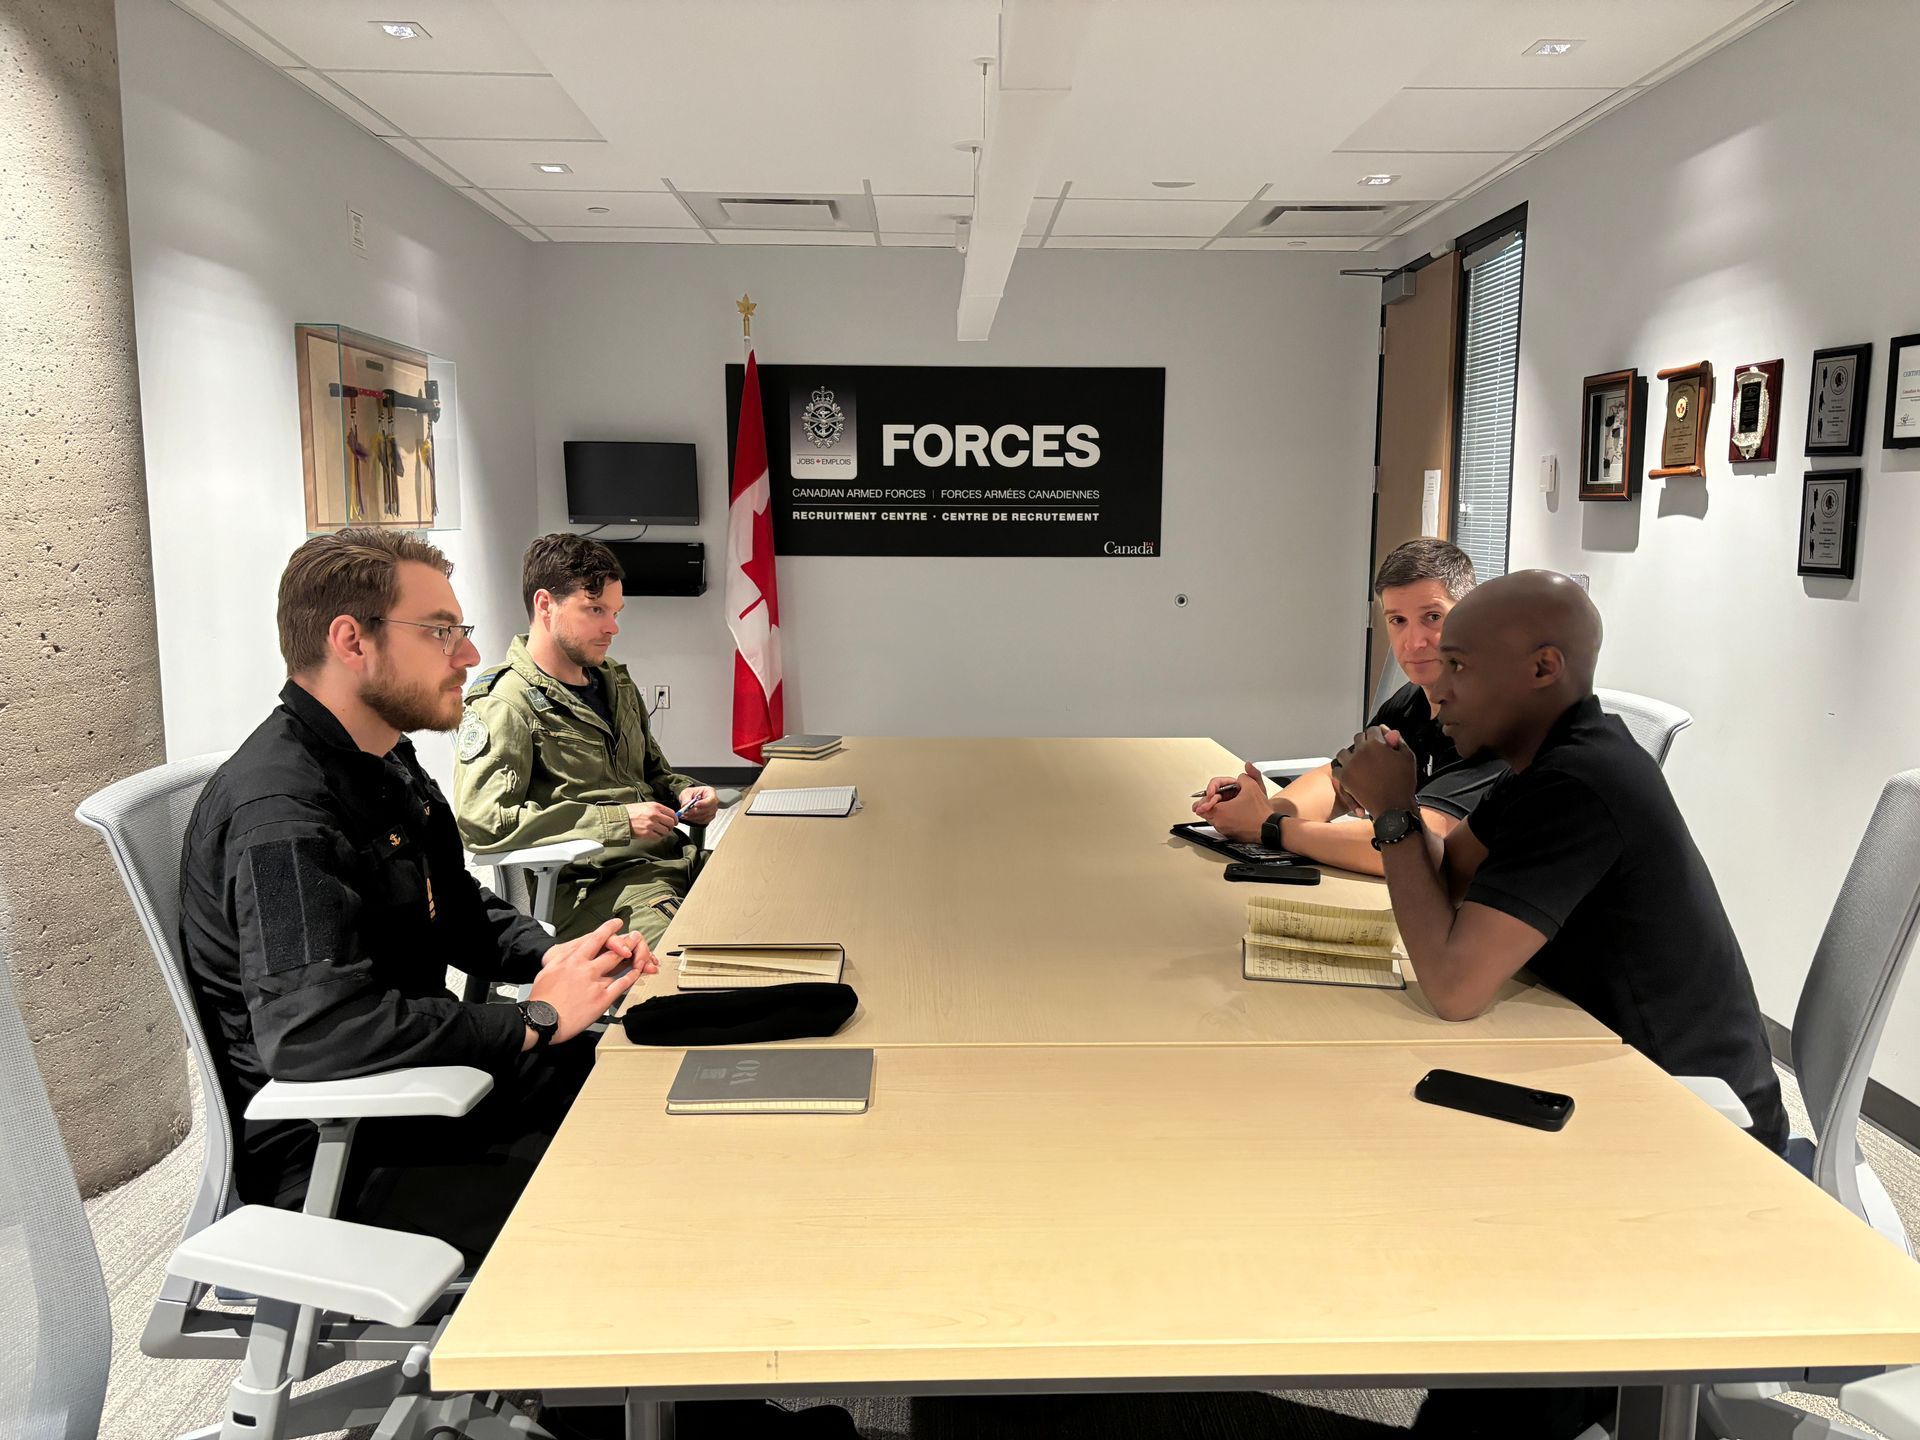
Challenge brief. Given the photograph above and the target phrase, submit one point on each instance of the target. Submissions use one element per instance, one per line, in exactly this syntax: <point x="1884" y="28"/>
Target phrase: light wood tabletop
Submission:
<point x="1028" y="892"/>
<point x="1186" y="1213"/>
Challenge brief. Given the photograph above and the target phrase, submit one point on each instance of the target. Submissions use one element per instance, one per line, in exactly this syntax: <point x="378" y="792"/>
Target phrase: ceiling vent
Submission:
<point x="1264" y="217"/>
<point x="724" y="210"/>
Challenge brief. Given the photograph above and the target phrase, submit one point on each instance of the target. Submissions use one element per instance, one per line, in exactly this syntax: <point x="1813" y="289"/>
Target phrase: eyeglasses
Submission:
<point x="451" y="637"/>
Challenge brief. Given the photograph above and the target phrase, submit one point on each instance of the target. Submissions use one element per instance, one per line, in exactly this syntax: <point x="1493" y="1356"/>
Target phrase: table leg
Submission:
<point x="1671" y="1412"/>
<point x="649" y="1419"/>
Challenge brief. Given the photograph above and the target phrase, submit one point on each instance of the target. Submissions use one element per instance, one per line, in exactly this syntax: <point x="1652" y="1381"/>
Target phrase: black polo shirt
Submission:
<point x="323" y="894"/>
<point x="1447" y="783"/>
<point x="1587" y="846"/>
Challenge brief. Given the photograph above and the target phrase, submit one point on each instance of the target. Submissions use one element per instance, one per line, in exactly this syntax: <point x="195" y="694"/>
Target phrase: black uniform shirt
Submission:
<point x="594" y="695"/>
<point x="323" y="896"/>
<point x="1587" y="847"/>
<point x="1447" y="783"/>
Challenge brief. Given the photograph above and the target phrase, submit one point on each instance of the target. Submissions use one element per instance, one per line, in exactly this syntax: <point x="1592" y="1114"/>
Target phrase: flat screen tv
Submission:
<point x="631" y="482"/>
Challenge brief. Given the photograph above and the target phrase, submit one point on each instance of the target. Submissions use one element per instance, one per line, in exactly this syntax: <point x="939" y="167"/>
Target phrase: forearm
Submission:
<point x="1309" y="796"/>
<point x="1426" y="916"/>
<point x="1345" y="844"/>
<point x="493" y="829"/>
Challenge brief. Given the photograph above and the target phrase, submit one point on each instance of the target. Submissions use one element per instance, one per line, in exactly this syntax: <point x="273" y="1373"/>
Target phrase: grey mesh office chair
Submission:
<point x="1837" y="1026"/>
<point x="55" y="1340"/>
<point x="1653" y="723"/>
<point x="357" y="1293"/>
<point x="1283" y="772"/>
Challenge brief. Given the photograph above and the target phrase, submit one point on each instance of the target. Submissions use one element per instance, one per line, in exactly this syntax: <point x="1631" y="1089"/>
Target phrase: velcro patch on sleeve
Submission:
<point x="298" y="900"/>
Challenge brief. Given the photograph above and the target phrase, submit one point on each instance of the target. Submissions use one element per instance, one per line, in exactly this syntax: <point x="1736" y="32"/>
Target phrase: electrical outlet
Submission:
<point x="663" y="697"/>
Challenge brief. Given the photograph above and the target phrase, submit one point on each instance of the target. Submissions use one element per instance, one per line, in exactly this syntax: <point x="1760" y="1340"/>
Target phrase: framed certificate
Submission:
<point x="1829" y="522"/>
<point x="1683" y="440"/>
<point x="1612" y="431"/>
<point x="1756" y="411"/>
<point x="1837" y="400"/>
<point x="1903" y="393"/>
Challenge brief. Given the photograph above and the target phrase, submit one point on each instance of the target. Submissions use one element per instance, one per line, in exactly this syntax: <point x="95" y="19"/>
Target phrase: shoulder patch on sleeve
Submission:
<point x="298" y="902"/>
<point x="471" y="742"/>
<point x="483" y="683"/>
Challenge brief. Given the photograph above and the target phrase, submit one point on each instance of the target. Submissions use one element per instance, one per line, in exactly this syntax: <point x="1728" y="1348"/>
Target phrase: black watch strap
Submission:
<point x="1390" y="827"/>
<point x="542" y="1019"/>
<point x="1271" y="832"/>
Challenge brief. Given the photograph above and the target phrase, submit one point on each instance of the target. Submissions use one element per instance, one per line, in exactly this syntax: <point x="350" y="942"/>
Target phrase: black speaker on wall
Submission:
<point x="662" y="567"/>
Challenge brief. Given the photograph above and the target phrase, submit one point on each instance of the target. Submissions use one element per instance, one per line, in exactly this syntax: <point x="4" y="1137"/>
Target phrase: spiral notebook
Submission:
<point x="1310" y="942"/>
<point x="831" y="800"/>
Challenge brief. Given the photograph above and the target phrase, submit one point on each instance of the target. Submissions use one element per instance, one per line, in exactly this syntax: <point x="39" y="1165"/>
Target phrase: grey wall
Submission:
<point x="1269" y="426"/>
<point x="1752" y="207"/>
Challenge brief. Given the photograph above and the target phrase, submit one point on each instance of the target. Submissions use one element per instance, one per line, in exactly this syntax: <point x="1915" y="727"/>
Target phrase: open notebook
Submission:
<point x="1312" y="943"/>
<point x="742" y="967"/>
<point x="835" y="800"/>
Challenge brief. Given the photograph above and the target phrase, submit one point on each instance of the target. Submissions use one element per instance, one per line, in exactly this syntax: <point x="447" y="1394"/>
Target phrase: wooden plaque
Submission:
<point x="1688" y="402"/>
<point x="1755" y="432"/>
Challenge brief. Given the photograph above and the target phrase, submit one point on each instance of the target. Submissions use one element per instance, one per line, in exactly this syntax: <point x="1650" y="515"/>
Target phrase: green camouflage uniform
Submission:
<point x="534" y="764"/>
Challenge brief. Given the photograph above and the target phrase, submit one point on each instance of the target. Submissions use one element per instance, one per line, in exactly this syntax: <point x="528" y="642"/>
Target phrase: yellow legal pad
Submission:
<point x="1311" y="943"/>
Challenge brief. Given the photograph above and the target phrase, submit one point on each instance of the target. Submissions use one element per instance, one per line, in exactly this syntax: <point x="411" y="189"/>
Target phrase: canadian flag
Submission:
<point x="753" y="595"/>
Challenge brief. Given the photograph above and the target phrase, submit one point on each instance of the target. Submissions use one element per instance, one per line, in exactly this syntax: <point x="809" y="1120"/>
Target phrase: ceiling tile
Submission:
<point x="1237" y="188"/>
<point x="1125" y="242"/>
<point x="366" y="119"/>
<point x="428" y="163"/>
<point x="509" y="164"/>
<point x="1620" y="42"/>
<point x="1040" y="214"/>
<point x="1143" y="217"/>
<point x="461" y="34"/>
<point x="924" y="242"/>
<point x="921" y="214"/>
<point x="1509" y="120"/>
<point x="654" y="209"/>
<point x="239" y="30"/>
<point x="493" y="207"/>
<point x="608" y="233"/>
<point x="792" y="237"/>
<point x="479" y="107"/>
<point x="1336" y="177"/>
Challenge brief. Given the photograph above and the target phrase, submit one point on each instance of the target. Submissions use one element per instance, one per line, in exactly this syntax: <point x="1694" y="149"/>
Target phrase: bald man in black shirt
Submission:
<point x="1579" y="865"/>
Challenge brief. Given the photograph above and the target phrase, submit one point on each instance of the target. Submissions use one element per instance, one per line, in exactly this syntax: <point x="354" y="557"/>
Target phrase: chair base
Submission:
<point x="1748" y="1412"/>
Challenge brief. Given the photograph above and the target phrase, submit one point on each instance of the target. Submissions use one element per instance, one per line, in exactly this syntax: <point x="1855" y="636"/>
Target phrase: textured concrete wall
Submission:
<point x="79" y="671"/>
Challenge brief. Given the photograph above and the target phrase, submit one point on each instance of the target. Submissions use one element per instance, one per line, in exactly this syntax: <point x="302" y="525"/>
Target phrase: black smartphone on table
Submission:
<point x="1269" y="873"/>
<point x="1495" y="1099"/>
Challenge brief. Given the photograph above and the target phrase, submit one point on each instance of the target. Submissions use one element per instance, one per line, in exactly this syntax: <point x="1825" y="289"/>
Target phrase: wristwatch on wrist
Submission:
<point x="542" y="1019"/>
<point x="1271" y="831"/>
<point x="1392" y="826"/>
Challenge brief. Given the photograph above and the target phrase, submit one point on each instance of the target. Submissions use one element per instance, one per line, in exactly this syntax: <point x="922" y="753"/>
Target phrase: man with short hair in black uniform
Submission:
<point x="1417" y="585"/>
<point x="1578" y="865"/>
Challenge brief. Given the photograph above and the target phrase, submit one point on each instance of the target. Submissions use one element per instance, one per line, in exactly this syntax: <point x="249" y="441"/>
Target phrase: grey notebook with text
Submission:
<point x="772" y="1082"/>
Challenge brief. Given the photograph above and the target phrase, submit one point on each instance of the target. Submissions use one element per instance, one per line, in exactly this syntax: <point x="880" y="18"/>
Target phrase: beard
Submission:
<point x="579" y="654"/>
<point x="418" y="705"/>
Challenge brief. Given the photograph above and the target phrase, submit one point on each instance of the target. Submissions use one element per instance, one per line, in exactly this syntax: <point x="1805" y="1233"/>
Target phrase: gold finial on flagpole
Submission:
<point x="746" y="307"/>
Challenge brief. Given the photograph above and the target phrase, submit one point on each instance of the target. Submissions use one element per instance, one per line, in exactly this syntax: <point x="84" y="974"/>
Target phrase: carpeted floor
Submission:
<point x="137" y="1226"/>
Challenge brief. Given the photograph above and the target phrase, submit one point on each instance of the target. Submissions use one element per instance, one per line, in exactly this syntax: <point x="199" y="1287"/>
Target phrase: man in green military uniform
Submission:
<point x="555" y="746"/>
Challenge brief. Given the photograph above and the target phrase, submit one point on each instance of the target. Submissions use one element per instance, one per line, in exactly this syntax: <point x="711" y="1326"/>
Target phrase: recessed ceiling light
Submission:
<point x="599" y="210"/>
<point x="547" y="167"/>
<point x="1173" y="184"/>
<point x="1378" y="179"/>
<point x="1552" y="47"/>
<point x="404" y="29"/>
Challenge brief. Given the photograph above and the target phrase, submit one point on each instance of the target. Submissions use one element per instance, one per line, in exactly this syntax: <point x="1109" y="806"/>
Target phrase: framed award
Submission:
<point x="1837" y="400"/>
<point x="1611" y="434"/>
<point x="1683" y="441"/>
<point x="1903" y="393"/>
<point x="1829" y="522"/>
<point x="1756" y="411"/>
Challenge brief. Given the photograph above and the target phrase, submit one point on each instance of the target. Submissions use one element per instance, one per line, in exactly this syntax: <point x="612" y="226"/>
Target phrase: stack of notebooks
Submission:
<point x="743" y="967"/>
<point x="801" y="747"/>
<point x="1317" y="944"/>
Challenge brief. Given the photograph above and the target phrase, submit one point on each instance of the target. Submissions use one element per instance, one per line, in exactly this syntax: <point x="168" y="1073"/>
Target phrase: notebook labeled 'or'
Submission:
<point x="741" y="967"/>
<point x="1313" y="943"/>
<point x="772" y="1082"/>
<point x="831" y="800"/>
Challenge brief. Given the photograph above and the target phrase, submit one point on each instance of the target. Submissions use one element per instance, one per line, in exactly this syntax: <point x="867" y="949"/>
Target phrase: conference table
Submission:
<point x="1098" y="1159"/>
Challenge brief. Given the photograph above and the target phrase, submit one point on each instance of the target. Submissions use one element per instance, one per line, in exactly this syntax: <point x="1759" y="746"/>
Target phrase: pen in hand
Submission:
<point x="1225" y="792"/>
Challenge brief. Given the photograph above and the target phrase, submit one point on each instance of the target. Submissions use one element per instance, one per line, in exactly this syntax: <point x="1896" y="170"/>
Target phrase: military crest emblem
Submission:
<point x="822" y="421"/>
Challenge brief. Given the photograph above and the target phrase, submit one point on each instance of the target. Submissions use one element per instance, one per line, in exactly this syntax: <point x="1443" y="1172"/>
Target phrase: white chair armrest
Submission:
<point x="359" y="1270"/>
<point x="560" y="852"/>
<point x="448" y="1090"/>
<point x="1890" y="1403"/>
<point x="1298" y="766"/>
<point x="1717" y="1093"/>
